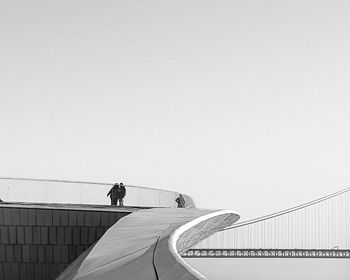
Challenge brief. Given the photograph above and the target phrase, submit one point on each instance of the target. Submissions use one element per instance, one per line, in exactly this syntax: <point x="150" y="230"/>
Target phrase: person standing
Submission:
<point x="122" y="194"/>
<point x="114" y="194"/>
<point x="181" y="203"/>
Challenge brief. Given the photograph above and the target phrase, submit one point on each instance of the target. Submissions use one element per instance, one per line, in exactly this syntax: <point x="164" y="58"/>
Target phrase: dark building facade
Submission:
<point x="38" y="242"/>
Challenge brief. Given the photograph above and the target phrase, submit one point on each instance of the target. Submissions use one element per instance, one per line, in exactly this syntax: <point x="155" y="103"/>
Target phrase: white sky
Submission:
<point x="241" y="104"/>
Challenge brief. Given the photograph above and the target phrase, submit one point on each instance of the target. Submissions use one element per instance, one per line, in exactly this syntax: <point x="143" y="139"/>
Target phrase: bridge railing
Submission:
<point x="75" y="192"/>
<point x="266" y="253"/>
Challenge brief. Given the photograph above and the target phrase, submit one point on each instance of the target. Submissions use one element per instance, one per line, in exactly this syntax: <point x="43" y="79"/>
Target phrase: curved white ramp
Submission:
<point x="145" y="245"/>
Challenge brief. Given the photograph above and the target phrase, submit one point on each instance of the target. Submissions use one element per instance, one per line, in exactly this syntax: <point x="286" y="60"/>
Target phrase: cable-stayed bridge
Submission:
<point x="316" y="229"/>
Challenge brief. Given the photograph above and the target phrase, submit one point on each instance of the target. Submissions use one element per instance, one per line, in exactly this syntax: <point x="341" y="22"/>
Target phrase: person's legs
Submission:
<point x="115" y="201"/>
<point x="121" y="202"/>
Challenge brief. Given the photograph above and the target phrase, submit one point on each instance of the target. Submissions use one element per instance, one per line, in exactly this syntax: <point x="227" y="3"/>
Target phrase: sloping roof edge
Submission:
<point x="145" y="245"/>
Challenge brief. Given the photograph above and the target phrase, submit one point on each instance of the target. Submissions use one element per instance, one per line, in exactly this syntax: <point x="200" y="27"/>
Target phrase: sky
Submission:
<point x="243" y="105"/>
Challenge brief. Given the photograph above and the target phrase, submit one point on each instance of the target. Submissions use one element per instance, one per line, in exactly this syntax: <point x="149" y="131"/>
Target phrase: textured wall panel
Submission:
<point x="38" y="243"/>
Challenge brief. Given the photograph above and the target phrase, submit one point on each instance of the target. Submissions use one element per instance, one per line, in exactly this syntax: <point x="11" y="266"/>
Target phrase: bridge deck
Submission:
<point x="267" y="253"/>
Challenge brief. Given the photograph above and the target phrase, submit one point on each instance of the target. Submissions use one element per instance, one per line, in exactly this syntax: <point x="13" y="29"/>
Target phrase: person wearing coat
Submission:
<point x="122" y="194"/>
<point x="181" y="203"/>
<point x="114" y="194"/>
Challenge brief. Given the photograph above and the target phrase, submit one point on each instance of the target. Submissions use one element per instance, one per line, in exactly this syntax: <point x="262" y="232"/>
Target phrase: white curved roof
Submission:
<point x="145" y="245"/>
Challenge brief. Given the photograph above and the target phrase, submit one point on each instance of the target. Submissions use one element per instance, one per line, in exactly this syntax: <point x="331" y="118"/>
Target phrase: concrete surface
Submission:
<point x="145" y="245"/>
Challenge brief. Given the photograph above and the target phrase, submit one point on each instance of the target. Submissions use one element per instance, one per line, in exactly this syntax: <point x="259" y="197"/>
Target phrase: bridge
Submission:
<point x="45" y="234"/>
<point x="316" y="229"/>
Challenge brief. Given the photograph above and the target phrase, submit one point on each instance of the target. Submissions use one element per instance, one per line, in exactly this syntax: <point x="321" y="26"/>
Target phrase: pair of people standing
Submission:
<point x="117" y="194"/>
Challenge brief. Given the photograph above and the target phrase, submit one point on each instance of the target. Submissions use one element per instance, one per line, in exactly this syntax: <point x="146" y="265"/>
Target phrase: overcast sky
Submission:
<point x="241" y="104"/>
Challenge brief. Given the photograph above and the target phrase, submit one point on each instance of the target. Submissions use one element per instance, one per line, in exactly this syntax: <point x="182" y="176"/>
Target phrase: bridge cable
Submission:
<point x="288" y="210"/>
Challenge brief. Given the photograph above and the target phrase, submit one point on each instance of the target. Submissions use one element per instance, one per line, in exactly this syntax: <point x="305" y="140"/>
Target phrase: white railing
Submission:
<point x="75" y="192"/>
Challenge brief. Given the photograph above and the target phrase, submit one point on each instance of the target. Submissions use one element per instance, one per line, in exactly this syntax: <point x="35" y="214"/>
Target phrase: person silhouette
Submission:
<point x="114" y="194"/>
<point x="180" y="201"/>
<point x="122" y="194"/>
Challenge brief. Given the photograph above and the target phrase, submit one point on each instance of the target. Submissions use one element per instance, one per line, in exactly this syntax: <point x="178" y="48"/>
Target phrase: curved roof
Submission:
<point x="145" y="245"/>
